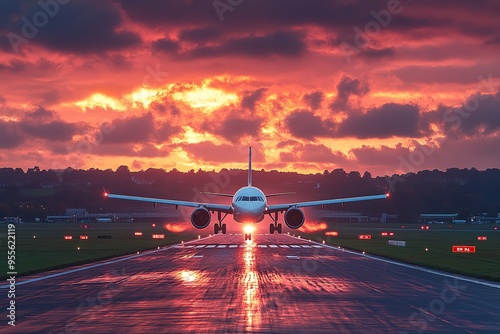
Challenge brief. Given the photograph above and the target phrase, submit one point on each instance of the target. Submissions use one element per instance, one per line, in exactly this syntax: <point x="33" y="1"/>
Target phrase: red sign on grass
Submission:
<point x="68" y="237"/>
<point x="464" y="249"/>
<point x="332" y="233"/>
<point x="158" y="236"/>
<point x="84" y="237"/>
<point x="138" y="234"/>
<point x="387" y="234"/>
<point x="482" y="238"/>
<point x="364" y="236"/>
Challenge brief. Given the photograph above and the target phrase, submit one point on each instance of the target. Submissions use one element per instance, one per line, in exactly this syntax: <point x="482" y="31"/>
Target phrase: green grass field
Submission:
<point x="41" y="247"/>
<point x="438" y="241"/>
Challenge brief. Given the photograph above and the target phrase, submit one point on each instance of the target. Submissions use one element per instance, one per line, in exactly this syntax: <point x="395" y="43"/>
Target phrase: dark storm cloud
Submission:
<point x="165" y="131"/>
<point x="208" y="151"/>
<point x="166" y="45"/>
<point x="345" y="89"/>
<point x="39" y="114"/>
<point x="249" y="99"/>
<point x="313" y="153"/>
<point x="445" y="74"/>
<point x="304" y="124"/>
<point x="388" y="120"/>
<point x="90" y="26"/>
<point x="52" y="131"/>
<point x="280" y="43"/>
<point x="130" y="130"/>
<point x="234" y="128"/>
<point x="200" y="35"/>
<point x="313" y="100"/>
<point x="10" y="136"/>
<point x="479" y="115"/>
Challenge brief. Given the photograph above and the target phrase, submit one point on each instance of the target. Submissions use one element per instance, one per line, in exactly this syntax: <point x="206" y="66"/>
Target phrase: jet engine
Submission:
<point x="200" y="218"/>
<point x="294" y="218"/>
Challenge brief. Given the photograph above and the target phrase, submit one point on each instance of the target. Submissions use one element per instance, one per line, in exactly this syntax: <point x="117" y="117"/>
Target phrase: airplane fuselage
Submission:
<point x="249" y="205"/>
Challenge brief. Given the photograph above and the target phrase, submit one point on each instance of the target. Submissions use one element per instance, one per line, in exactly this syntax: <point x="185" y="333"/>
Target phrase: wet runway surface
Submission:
<point x="279" y="284"/>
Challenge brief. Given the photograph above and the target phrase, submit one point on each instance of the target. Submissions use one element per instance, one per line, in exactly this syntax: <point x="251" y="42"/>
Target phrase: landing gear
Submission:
<point x="275" y="227"/>
<point x="248" y="236"/>
<point x="220" y="227"/>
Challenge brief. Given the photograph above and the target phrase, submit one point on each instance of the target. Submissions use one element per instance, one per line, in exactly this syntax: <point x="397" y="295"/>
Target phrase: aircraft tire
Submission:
<point x="216" y="228"/>
<point x="224" y="228"/>
<point x="280" y="228"/>
<point x="271" y="228"/>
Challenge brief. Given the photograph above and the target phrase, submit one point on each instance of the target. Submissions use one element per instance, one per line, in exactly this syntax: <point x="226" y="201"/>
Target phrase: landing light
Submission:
<point x="248" y="229"/>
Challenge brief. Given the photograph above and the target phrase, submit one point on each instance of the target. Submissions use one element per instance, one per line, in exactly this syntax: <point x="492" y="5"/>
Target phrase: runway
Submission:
<point x="279" y="284"/>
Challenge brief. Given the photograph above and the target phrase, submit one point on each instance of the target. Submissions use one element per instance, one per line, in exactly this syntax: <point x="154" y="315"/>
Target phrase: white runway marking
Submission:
<point x="262" y="246"/>
<point x="211" y="246"/>
<point x="401" y="264"/>
<point x="200" y="246"/>
<point x="233" y="246"/>
<point x="221" y="246"/>
<point x="295" y="246"/>
<point x="273" y="246"/>
<point x="284" y="246"/>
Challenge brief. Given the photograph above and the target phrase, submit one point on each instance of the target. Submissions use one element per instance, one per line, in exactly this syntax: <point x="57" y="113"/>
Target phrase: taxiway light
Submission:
<point x="84" y="237"/>
<point x="363" y="252"/>
<point x="427" y="249"/>
<point x="199" y="237"/>
<point x="138" y="234"/>
<point x="154" y="225"/>
<point x="463" y="249"/>
<point x="158" y="236"/>
<point x="68" y="237"/>
<point x="482" y="237"/>
<point x="34" y="237"/>
<point x="78" y="248"/>
<point x="323" y="242"/>
<point x="137" y="253"/>
<point x="364" y="236"/>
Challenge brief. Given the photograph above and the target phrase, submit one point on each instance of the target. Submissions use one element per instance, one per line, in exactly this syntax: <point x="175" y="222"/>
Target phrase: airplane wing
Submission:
<point x="208" y="206"/>
<point x="284" y="207"/>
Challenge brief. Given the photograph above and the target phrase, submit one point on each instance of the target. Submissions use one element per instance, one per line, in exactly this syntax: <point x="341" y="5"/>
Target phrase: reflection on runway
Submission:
<point x="276" y="284"/>
<point x="250" y="286"/>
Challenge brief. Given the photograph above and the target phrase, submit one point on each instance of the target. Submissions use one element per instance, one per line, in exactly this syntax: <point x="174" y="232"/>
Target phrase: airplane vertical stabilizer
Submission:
<point x="250" y="166"/>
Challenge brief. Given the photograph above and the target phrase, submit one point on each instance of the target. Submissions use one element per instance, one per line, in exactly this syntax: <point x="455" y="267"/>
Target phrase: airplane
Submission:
<point x="249" y="205"/>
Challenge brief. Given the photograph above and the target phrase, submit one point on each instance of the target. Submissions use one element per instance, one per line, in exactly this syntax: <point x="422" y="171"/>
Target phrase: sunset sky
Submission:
<point x="380" y="86"/>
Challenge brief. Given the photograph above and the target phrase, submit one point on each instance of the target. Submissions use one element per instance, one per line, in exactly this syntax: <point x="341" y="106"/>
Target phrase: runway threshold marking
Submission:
<point x="401" y="264"/>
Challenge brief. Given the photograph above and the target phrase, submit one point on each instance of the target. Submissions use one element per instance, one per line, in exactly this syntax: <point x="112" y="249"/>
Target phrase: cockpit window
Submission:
<point x="253" y="199"/>
<point x="246" y="198"/>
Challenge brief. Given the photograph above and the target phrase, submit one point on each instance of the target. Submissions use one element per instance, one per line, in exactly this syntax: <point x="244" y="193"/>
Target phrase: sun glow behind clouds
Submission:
<point x="206" y="98"/>
<point x="99" y="100"/>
